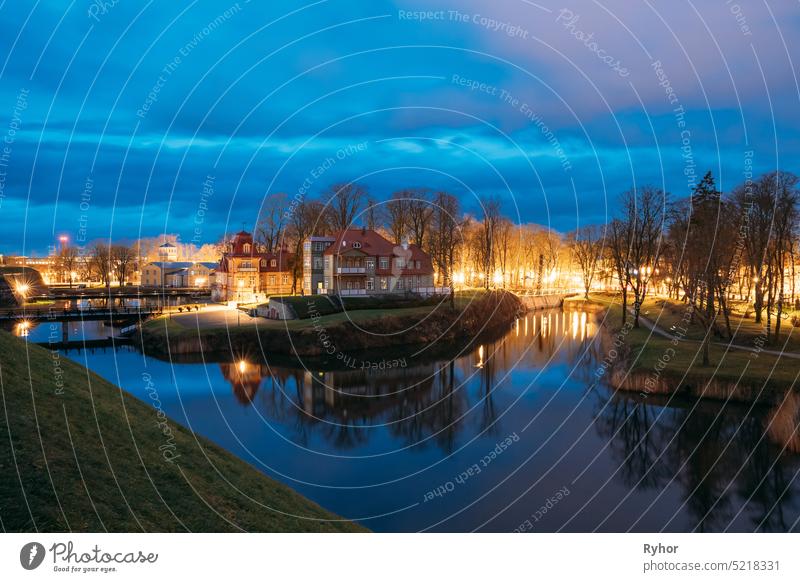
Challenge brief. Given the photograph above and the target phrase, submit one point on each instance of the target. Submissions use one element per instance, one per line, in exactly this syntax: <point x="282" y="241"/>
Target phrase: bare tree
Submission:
<point x="644" y="215"/>
<point x="620" y="233"/>
<point x="486" y="249"/>
<point x="68" y="261"/>
<point x="344" y="203"/>
<point x="419" y="216"/>
<point x="123" y="261"/>
<point x="374" y="214"/>
<point x="586" y="245"/>
<point x="398" y="211"/>
<point x="99" y="262"/>
<point x="271" y="221"/>
<point x="445" y="238"/>
<point x="504" y="237"/>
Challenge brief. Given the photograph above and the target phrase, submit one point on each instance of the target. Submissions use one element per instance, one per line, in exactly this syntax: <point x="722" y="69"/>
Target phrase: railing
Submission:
<point x="351" y="270"/>
<point x="353" y="292"/>
<point x="432" y="290"/>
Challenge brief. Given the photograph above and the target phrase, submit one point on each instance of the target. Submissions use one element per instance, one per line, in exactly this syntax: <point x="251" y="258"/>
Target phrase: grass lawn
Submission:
<point x="79" y="454"/>
<point x="669" y="312"/>
<point x="647" y="349"/>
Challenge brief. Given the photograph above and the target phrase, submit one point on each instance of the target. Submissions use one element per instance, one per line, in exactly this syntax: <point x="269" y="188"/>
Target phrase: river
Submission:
<point x="517" y="434"/>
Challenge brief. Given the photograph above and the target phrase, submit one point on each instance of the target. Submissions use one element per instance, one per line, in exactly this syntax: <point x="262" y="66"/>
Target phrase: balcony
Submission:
<point x="351" y="270"/>
<point x="352" y="292"/>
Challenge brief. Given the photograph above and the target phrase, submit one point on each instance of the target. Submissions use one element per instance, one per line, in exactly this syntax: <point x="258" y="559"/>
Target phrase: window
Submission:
<point x="285" y="279"/>
<point x="419" y="264"/>
<point x="356" y="245"/>
<point x="370" y="263"/>
<point x="247" y="265"/>
<point x="246" y="248"/>
<point x="400" y="283"/>
<point x="272" y="280"/>
<point x="318" y="246"/>
<point x="349" y="284"/>
<point x="384" y="262"/>
<point x="384" y="284"/>
<point x="263" y="263"/>
<point x="273" y="263"/>
<point x="400" y="263"/>
<point x="370" y="284"/>
<point x="317" y="263"/>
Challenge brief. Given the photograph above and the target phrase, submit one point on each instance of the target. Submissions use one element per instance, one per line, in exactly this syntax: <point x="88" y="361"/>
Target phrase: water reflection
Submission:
<point x="420" y="403"/>
<point x="731" y="462"/>
<point x="374" y="441"/>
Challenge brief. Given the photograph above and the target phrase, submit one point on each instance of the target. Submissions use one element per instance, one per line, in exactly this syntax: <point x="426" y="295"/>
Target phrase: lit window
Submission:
<point x="384" y="284"/>
<point x="273" y="263"/>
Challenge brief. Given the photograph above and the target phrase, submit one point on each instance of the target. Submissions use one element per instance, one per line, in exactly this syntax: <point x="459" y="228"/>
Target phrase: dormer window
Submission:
<point x="263" y="263"/>
<point x="356" y="245"/>
<point x="246" y="248"/>
<point x="273" y="263"/>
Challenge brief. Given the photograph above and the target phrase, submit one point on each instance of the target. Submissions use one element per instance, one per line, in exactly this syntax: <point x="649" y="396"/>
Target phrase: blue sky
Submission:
<point x="553" y="107"/>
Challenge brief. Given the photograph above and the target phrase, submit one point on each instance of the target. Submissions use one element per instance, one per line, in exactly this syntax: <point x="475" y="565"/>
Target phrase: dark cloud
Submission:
<point x="523" y="101"/>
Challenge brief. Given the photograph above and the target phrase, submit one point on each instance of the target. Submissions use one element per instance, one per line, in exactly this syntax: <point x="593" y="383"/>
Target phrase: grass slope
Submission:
<point x="647" y="352"/>
<point x="87" y="458"/>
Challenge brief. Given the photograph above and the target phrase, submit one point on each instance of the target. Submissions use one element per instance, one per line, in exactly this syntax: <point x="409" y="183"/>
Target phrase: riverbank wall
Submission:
<point x="536" y="302"/>
<point x="489" y="314"/>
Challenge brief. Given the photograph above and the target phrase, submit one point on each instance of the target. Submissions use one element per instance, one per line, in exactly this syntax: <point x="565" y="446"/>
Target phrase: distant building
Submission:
<point x="360" y="261"/>
<point x="45" y="266"/>
<point x="167" y="253"/>
<point x="314" y="264"/>
<point x="248" y="275"/>
<point x="178" y="274"/>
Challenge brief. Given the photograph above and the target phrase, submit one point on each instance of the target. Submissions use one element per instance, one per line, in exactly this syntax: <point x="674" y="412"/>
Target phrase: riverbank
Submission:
<point x="475" y="315"/>
<point x="654" y="360"/>
<point x="85" y="456"/>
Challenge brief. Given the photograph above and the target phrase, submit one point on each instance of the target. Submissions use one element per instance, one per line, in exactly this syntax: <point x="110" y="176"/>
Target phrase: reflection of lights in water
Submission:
<point x="526" y="326"/>
<point x="574" y="324"/>
<point x="584" y="329"/>
<point x="517" y="327"/>
<point x="480" y="357"/>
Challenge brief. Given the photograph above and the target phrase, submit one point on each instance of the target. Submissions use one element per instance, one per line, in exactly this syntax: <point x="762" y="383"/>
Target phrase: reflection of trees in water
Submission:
<point x="633" y="436"/>
<point x="693" y="437"/>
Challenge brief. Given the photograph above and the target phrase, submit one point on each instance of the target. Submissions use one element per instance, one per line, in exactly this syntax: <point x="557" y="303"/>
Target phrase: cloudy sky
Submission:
<point x="115" y="114"/>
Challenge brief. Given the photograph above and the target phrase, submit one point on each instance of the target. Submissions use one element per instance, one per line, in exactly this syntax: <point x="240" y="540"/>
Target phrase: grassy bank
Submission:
<point x="649" y="362"/>
<point x="79" y="454"/>
<point x="350" y="331"/>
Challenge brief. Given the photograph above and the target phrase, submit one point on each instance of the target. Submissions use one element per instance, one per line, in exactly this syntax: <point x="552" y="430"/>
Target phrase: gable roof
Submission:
<point x="373" y="244"/>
